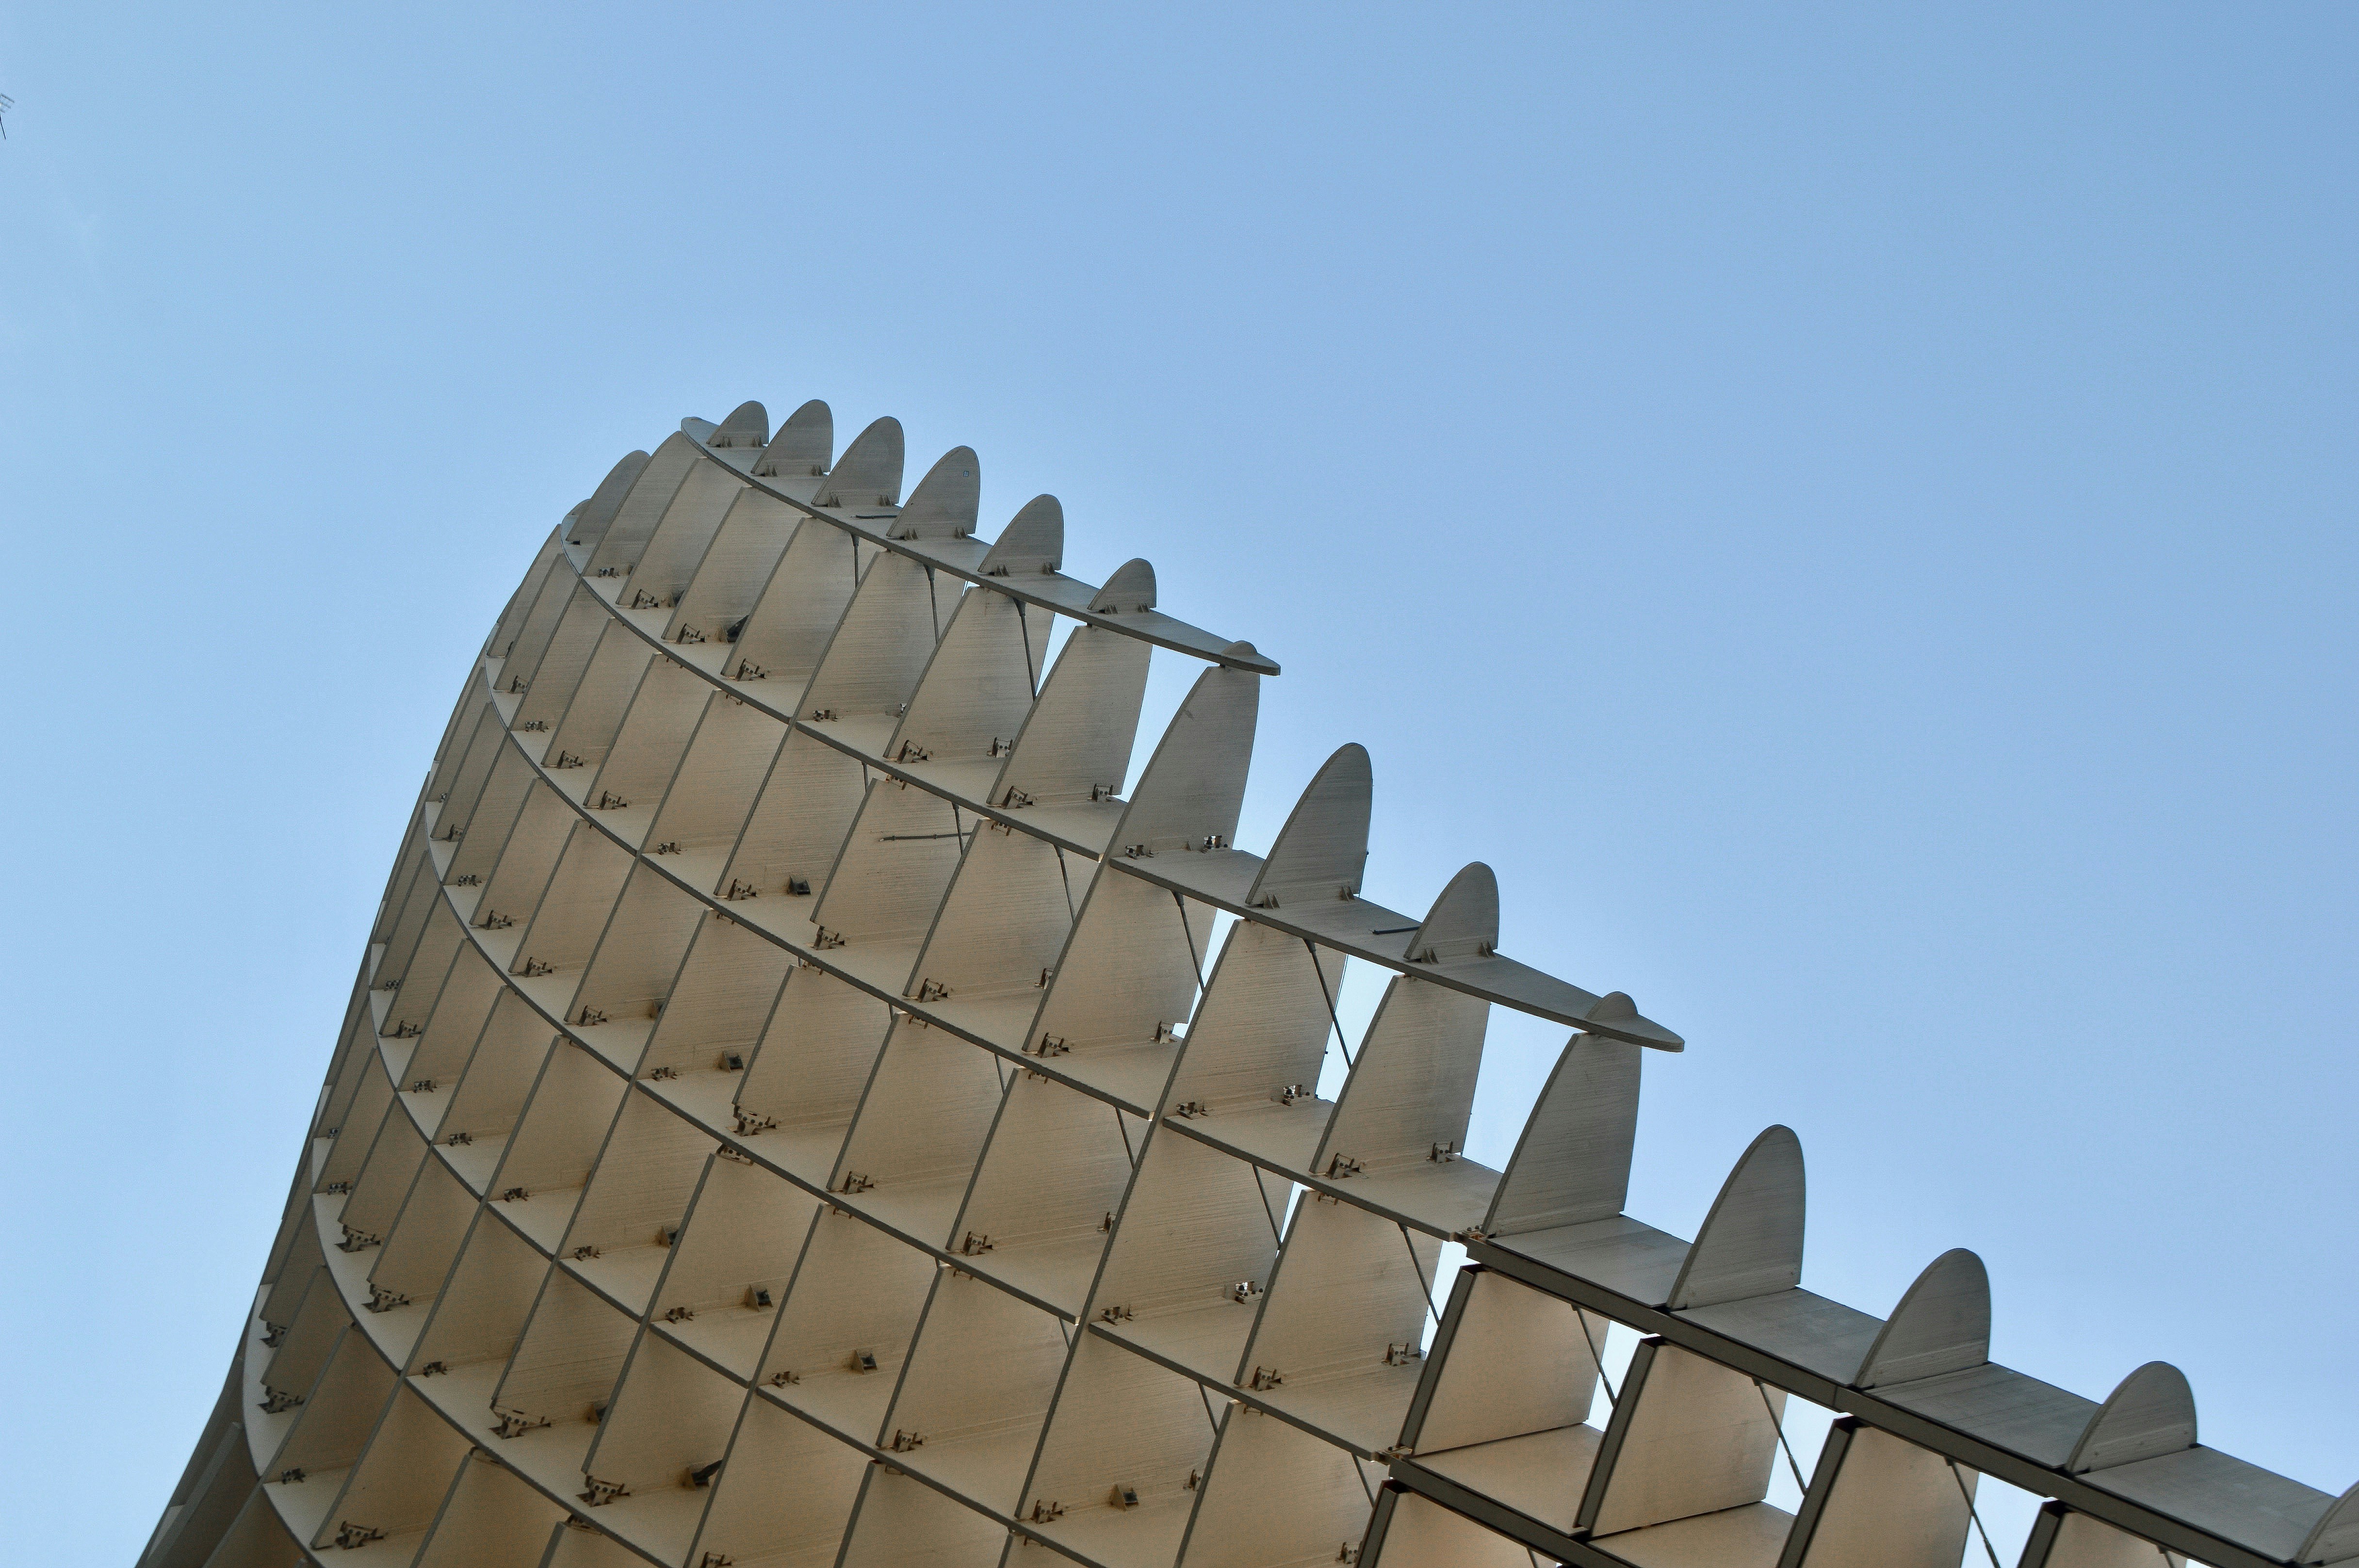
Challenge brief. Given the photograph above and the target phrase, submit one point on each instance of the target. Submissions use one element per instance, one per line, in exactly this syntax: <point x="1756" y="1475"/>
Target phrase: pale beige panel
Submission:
<point x="577" y="1545"/>
<point x="869" y="473"/>
<point x="256" y="1538"/>
<point x="358" y="1129"/>
<point x="1057" y="1164"/>
<point x="469" y="993"/>
<point x="457" y="782"/>
<point x="1507" y="1361"/>
<point x="1688" y="1437"/>
<point x="2061" y="1539"/>
<point x="1941" y="1325"/>
<point x="743" y="1236"/>
<point x="785" y="1495"/>
<point x="806" y="806"/>
<point x="1752" y="1536"/>
<point x="1076" y="741"/>
<point x="1122" y="1455"/>
<point x="399" y="882"/>
<point x="487" y="827"/>
<point x="424" y="1243"/>
<point x="1463" y="922"/>
<point x="579" y="741"/>
<point x="977" y="1388"/>
<point x="1033" y="543"/>
<point x="573" y="913"/>
<point x="726" y="583"/>
<point x="728" y="985"/>
<point x="490" y="1097"/>
<point x="2152" y="1413"/>
<point x="1129" y="591"/>
<point x="639" y="954"/>
<point x="1264" y="1024"/>
<point x="383" y="1144"/>
<point x="219" y="1502"/>
<point x="1002" y="924"/>
<point x="493" y="1520"/>
<point x="558" y="1136"/>
<point x="748" y="425"/>
<point x="802" y="444"/>
<point x="1412" y="1085"/>
<point x="514" y="886"/>
<point x="510" y="625"/>
<point x="1273" y="1493"/>
<point x="304" y="1254"/>
<point x="315" y="1320"/>
<point x="528" y="650"/>
<point x="815" y="1056"/>
<point x="589" y="522"/>
<point x="422" y="970"/>
<point x="1421" y="1534"/>
<point x="904" y="1523"/>
<point x="671" y="1416"/>
<point x="382" y="1183"/>
<point x="1195" y="784"/>
<point x="482" y="1314"/>
<point x="856" y="1298"/>
<point x="706" y="805"/>
<point x="547" y="689"/>
<point x="419" y="905"/>
<point x="647" y="750"/>
<point x="1128" y="972"/>
<point x="682" y="537"/>
<point x="1571" y="1163"/>
<point x="976" y="692"/>
<point x="897" y="862"/>
<point x="797" y="612"/>
<point x="881" y="646"/>
<point x="1349" y="1288"/>
<point x="1195" y="1225"/>
<point x="1751" y="1242"/>
<point x="341" y="1411"/>
<point x="925" y="1113"/>
<point x="644" y="1176"/>
<point x="570" y="1355"/>
<point x="401" y="1480"/>
<point x="619" y="544"/>
<point x="1323" y="847"/>
<point x="1877" y="1502"/>
<point x="943" y="506"/>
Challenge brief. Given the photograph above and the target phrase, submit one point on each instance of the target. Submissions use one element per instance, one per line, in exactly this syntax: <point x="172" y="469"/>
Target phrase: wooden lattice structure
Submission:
<point x="801" y="1104"/>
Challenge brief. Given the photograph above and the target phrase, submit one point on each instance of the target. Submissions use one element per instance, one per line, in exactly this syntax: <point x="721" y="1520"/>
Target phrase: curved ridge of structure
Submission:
<point x="802" y="1105"/>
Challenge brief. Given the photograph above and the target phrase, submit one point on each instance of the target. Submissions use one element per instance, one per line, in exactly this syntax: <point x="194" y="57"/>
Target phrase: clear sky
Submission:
<point x="1849" y="511"/>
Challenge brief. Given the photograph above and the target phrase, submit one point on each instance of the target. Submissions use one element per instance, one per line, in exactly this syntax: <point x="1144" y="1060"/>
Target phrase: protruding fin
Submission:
<point x="1573" y="1164"/>
<point x="2335" y="1537"/>
<point x="943" y="504"/>
<point x="869" y="473"/>
<point x="1463" y="922"/>
<point x="748" y="425"/>
<point x="2152" y="1414"/>
<point x="1130" y="590"/>
<point x="1032" y="543"/>
<point x="1751" y="1243"/>
<point x="803" y="445"/>
<point x="1194" y="786"/>
<point x="589" y="519"/>
<point x="1323" y="847"/>
<point x="1942" y="1324"/>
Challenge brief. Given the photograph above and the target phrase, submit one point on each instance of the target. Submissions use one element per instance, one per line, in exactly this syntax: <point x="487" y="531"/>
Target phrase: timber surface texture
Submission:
<point x="803" y="1103"/>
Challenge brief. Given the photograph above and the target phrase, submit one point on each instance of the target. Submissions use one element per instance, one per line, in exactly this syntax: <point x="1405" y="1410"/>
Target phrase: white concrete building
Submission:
<point x="802" y="1104"/>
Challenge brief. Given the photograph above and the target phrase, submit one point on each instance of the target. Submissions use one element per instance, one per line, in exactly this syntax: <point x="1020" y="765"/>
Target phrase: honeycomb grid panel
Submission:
<point x="803" y="1103"/>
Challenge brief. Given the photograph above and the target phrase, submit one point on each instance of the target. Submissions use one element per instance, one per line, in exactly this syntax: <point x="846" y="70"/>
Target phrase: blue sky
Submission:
<point x="1849" y="511"/>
